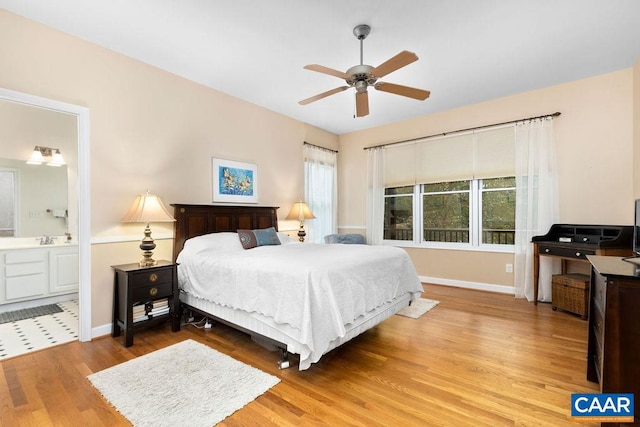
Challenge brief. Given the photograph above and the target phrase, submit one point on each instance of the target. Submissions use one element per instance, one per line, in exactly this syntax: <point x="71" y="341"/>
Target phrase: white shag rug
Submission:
<point x="418" y="308"/>
<point x="184" y="384"/>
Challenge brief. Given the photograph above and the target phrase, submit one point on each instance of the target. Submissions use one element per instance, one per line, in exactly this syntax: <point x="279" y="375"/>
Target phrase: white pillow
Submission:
<point x="226" y="241"/>
<point x="285" y="239"/>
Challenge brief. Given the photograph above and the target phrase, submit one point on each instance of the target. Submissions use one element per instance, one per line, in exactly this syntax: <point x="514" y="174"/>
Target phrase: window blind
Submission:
<point x="445" y="159"/>
<point x="400" y="165"/>
<point x="495" y="154"/>
<point x="481" y="154"/>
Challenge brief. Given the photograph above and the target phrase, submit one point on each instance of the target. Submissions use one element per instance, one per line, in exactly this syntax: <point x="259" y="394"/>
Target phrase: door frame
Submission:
<point x="84" y="205"/>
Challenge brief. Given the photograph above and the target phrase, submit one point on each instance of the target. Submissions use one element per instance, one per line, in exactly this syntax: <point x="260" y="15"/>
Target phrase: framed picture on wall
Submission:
<point x="234" y="182"/>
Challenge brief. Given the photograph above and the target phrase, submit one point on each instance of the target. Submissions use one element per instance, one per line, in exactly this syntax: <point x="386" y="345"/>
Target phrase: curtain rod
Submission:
<point x="317" y="146"/>
<point x="556" y="114"/>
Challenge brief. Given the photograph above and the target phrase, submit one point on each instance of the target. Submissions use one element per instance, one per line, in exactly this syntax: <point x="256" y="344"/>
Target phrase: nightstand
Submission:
<point x="143" y="297"/>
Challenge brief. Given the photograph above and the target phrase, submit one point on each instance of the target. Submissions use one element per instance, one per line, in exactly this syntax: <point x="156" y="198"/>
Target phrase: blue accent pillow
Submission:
<point x="348" y="238"/>
<point x="253" y="238"/>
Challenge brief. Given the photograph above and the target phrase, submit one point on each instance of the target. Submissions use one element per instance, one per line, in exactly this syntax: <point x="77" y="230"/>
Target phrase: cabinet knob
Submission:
<point x="578" y="254"/>
<point x="153" y="277"/>
<point x="153" y="292"/>
<point x="547" y="250"/>
<point x="585" y="239"/>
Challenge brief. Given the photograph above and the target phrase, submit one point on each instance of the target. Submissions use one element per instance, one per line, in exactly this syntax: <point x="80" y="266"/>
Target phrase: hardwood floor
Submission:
<point x="477" y="359"/>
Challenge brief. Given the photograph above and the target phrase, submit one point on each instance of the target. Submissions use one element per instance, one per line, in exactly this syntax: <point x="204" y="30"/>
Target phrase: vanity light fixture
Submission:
<point x="39" y="153"/>
<point x="56" y="159"/>
<point x="36" y="157"/>
<point x="300" y="211"/>
<point x="147" y="208"/>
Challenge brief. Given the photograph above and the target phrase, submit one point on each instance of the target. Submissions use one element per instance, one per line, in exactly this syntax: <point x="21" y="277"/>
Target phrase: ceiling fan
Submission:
<point x="362" y="76"/>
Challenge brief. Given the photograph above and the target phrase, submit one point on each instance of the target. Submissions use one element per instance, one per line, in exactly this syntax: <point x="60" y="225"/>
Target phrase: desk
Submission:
<point x="573" y="242"/>
<point x="567" y="252"/>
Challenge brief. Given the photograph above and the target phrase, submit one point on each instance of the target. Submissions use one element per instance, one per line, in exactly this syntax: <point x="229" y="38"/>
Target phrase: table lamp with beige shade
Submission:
<point x="300" y="211"/>
<point x="147" y="208"/>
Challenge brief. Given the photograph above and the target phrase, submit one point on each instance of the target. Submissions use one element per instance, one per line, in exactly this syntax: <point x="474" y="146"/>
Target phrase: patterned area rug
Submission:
<point x="35" y="333"/>
<point x="418" y="308"/>
<point x="187" y="383"/>
<point x="29" y="313"/>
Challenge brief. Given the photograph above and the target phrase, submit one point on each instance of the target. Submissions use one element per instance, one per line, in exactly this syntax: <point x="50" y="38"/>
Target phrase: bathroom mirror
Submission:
<point x="34" y="199"/>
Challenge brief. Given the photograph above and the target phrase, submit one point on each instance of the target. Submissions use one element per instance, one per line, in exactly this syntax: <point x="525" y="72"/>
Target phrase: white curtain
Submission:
<point x="375" y="195"/>
<point x="536" y="203"/>
<point x="320" y="192"/>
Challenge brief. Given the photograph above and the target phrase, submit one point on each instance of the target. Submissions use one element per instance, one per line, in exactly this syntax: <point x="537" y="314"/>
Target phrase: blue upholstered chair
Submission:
<point x="346" y="238"/>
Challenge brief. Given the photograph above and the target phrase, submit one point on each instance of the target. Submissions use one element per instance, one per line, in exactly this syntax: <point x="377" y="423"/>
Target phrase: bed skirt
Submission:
<point x="285" y="336"/>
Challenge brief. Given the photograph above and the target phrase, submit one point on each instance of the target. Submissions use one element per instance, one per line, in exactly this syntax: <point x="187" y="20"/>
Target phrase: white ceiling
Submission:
<point x="470" y="50"/>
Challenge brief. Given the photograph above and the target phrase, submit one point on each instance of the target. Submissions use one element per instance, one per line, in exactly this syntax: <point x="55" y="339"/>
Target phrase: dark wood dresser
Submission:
<point x="614" y="327"/>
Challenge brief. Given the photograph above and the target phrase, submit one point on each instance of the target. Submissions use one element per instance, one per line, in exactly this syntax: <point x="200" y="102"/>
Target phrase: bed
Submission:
<point x="300" y="298"/>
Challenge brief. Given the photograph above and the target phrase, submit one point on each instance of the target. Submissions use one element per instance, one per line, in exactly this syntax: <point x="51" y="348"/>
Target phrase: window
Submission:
<point x="321" y="177"/>
<point x="398" y="213"/>
<point x="456" y="190"/>
<point x="445" y="212"/>
<point x="7" y="203"/>
<point x="476" y="212"/>
<point x="498" y="201"/>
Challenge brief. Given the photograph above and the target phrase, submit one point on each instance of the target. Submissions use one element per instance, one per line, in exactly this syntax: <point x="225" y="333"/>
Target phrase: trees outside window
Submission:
<point x="472" y="213"/>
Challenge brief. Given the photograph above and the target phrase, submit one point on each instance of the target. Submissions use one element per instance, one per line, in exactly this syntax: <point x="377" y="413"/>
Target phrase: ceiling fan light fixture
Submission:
<point x="361" y="76"/>
<point x="361" y="86"/>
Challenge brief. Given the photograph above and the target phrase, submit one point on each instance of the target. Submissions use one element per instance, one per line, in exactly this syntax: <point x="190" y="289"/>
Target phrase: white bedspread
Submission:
<point x="317" y="289"/>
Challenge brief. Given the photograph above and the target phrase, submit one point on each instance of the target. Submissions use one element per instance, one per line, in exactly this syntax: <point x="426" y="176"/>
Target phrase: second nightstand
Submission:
<point x="145" y="290"/>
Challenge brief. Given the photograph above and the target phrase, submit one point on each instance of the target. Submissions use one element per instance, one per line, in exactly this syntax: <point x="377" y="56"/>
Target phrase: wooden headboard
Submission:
<point x="196" y="220"/>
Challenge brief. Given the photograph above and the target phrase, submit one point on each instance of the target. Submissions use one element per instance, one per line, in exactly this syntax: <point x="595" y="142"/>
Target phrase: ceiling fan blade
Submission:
<point x="326" y="70"/>
<point x="407" y="91"/>
<point x="362" y="104"/>
<point x="322" y="95"/>
<point x="400" y="60"/>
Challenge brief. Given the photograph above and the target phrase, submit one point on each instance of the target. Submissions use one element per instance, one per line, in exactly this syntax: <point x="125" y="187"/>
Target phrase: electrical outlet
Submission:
<point x="207" y="325"/>
<point x="509" y="268"/>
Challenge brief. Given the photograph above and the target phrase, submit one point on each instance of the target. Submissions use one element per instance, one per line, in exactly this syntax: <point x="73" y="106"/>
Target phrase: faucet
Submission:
<point x="47" y="240"/>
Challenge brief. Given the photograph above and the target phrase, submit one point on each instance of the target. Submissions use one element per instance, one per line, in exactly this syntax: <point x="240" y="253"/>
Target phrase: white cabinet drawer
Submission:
<point x="17" y="257"/>
<point x="26" y="286"/>
<point x="25" y="269"/>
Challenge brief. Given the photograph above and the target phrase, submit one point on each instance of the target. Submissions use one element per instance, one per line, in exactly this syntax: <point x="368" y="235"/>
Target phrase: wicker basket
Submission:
<point x="570" y="292"/>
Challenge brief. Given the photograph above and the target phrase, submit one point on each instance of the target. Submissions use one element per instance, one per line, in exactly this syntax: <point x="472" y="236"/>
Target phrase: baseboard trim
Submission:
<point x="469" y="285"/>
<point x="101" y="331"/>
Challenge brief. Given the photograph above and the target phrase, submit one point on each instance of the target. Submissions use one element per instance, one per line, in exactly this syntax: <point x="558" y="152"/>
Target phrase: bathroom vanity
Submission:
<point x="29" y="270"/>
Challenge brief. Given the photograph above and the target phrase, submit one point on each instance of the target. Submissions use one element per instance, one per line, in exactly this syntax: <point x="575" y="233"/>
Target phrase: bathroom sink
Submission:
<point x="31" y="242"/>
